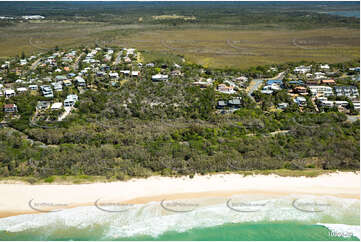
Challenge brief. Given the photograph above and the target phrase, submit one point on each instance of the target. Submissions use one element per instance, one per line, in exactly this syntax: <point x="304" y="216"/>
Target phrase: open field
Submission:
<point x="214" y="47"/>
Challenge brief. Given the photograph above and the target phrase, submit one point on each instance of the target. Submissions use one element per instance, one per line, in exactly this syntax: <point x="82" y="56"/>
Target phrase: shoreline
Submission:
<point x="21" y="199"/>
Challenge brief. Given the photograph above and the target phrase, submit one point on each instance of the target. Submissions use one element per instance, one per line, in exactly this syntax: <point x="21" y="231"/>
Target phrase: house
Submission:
<point x="135" y="73"/>
<point x="69" y="102"/>
<point x="325" y="103"/>
<point x="223" y="88"/>
<point x="23" y="62"/>
<point x="47" y="91"/>
<point x="278" y="82"/>
<point x="241" y="79"/>
<point x="125" y="72"/>
<point x="176" y="73"/>
<point x="114" y="75"/>
<point x="313" y="82"/>
<point x="43" y="105"/>
<point x="221" y="104"/>
<point x="71" y="75"/>
<point x="80" y="81"/>
<point x="319" y="75"/>
<point x="325" y="67"/>
<point x="341" y="104"/>
<point x="57" y="86"/>
<point x="235" y="102"/>
<point x="273" y="86"/>
<point x="302" y="69"/>
<point x="300" y="89"/>
<point x="347" y="91"/>
<point x="321" y="91"/>
<point x="9" y="93"/>
<point x="268" y="92"/>
<point x="33" y="87"/>
<point x="203" y="84"/>
<point x="328" y="82"/>
<point x="73" y="97"/>
<point x="60" y="78"/>
<point x="21" y="89"/>
<point x="299" y="82"/>
<point x="67" y="83"/>
<point x="301" y="101"/>
<point x="356" y="105"/>
<point x="159" y="77"/>
<point x="282" y="105"/>
<point x="10" y="108"/>
<point x="100" y="73"/>
<point x="56" y="106"/>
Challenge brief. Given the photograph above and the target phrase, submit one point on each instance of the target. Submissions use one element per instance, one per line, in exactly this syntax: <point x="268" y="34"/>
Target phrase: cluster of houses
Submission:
<point x="318" y="86"/>
<point x="70" y="71"/>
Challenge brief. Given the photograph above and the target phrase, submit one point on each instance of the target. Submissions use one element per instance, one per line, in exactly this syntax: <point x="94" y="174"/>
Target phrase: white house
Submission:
<point x="301" y="101"/>
<point x="56" y="106"/>
<point x="160" y="77"/>
<point x="9" y="93"/>
<point x="302" y="69"/>
<point x="321" y="90"/>
<point x="325" y="67"/>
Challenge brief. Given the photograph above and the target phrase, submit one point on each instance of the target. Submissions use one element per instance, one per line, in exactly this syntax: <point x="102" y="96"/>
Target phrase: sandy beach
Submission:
<point x="18" y="199"/>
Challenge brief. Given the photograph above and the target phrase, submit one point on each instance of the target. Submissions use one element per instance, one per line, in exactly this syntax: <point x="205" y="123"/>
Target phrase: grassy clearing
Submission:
<point x="213" y="47"/>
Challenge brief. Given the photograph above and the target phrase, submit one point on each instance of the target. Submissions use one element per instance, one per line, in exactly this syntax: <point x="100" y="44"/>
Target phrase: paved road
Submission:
<point x="118" y="58"/>
<point x="76" y="63"/>
<point x="35" y="64"/>
<point x="256" y="83"/>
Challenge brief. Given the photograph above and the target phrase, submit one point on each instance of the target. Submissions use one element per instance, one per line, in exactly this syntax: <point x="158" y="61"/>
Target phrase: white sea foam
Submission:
<point x="151" y="219"/>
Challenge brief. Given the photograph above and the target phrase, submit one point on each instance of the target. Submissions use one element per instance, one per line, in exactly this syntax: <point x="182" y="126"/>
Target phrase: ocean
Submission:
<point x="256" y="218"/>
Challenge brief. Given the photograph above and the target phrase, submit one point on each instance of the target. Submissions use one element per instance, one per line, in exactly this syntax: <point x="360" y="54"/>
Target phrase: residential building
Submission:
<point x="347" y="91"/>
<point x="43" y="105"/>
<point x="56" y="106"/>
<point x="80" y="81"/>
<point x="159" y="77"/>
<point x="282" y="105"/>
<point x="321" y="91"/>
<point x="33" y="87"/>
<point x="10" y="108"/>
<point x="9" y="93"/>
<point x="301" y="101"/>
<point x="328" y="82"/>
<point x="47" y="91"/>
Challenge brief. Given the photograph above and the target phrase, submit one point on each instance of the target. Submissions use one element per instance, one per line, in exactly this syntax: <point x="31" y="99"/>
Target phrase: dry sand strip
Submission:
<point x="20" y="198"/>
